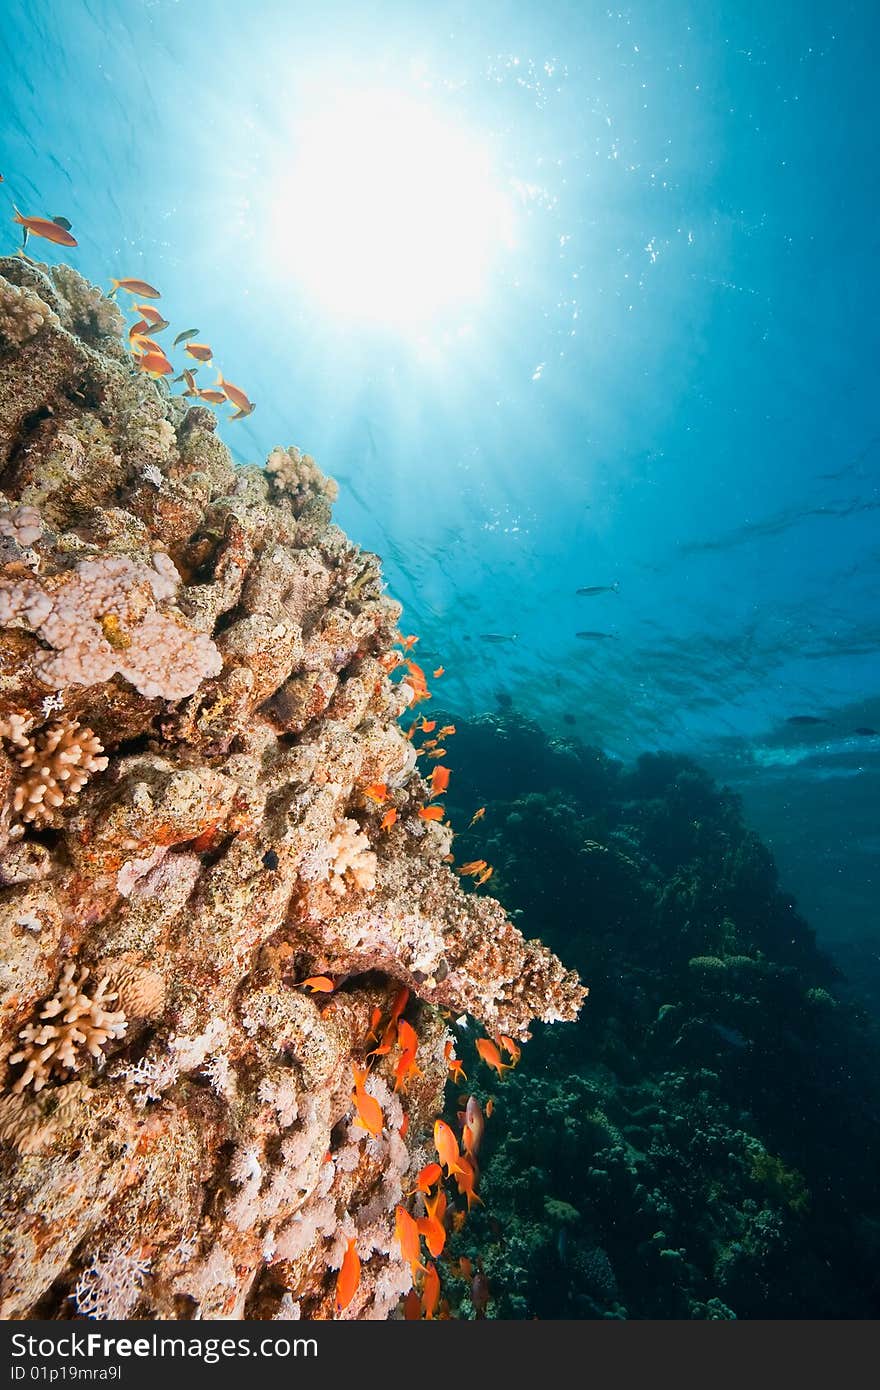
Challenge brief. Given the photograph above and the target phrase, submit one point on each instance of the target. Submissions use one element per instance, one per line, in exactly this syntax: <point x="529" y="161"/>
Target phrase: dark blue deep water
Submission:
<point x="570" y="296"/>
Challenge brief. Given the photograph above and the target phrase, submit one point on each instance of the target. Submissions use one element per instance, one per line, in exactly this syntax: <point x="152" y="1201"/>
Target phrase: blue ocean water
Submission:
<point x="665" y="380"/>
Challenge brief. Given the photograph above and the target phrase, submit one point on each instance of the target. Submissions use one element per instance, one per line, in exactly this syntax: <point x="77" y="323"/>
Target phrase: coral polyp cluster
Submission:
<point x="196" y="688"/>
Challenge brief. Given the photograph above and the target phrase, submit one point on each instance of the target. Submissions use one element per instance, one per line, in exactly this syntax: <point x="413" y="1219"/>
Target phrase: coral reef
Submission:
<point x="704" y="1143"/>
<point x="194" y="694"/>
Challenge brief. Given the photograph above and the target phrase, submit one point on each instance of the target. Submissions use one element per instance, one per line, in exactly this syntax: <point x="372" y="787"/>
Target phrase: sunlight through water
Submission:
<point x="389" y="212"/>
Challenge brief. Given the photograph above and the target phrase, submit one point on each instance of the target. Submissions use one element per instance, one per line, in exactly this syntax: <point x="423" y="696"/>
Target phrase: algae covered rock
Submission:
<point x="196" y="687"/>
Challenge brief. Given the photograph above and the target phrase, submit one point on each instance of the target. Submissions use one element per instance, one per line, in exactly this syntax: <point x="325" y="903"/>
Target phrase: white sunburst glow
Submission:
<point x="389" y="213"/>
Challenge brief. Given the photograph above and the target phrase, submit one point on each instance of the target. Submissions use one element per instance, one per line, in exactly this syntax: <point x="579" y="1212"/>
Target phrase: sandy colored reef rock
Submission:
<point x="192" y="701"/>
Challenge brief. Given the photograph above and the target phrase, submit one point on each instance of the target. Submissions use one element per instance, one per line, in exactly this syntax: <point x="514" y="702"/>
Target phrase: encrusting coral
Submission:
<point x="196" y="687"/>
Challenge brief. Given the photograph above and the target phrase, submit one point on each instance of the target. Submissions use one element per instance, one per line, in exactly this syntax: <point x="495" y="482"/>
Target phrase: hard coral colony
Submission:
<point x="208" y="914"/>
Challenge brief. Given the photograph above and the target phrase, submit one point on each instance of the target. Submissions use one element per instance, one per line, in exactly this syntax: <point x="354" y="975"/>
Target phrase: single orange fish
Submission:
<point x="154" y="363"/>
<point x="491" y="1056"/>
<point x="466" y="1267"/>
<point x="406" y="1068"/>
<point x="388" y="819"/>
<point x="406" y="1233"/>
<point x="200" y="351"/>
<point x="377" y="791"/>
<point x="428" y="743"/>
<point x="404" y="1126"/>
<point x="408" y="642"/>
<point x="138" y="287"/>
<point x="375" y="1018"/>
<point x="215" y="397"/>
<point x="458" y="1220"/>
<point x="431" y="1292"/>
<point x="484" y="876"/>
<point x="418" y="683"/>
<point x="319" y="984"/>
<point x="349" y="1278"/>
<point x="138" y="329"/>
<point x="441" y="671"/>
<point x="447" y="731"/>
<point x="401" y="999"/>
<point x="233" y="394"/>
<point x="152" y="316"/>
<point x="407" y="1036"/>
<point x="439" y="781"/>
<point x="45" y="227"/>
<point x="431" y="1226"/>
<point x="474" y="1126"/>
<point x="490" y="1106"/>
<point x="427" y="727"/>
<point x="432" y="812"/>
<point x="437" y="753"/>
<point x="478" y="815"/>
<point x="446" y="1145"/>
<point x="466" y="1178"/>
<point x="428" y="1176"/>
<point x="513" y="1050"/>
<point x="412" y="1306"/>
<point x="144" y="344"/>
<point x="369" y="1111"/>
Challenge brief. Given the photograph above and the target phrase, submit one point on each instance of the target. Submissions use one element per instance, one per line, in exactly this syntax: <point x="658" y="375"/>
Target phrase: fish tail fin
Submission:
<point x="18" y="217"/>
<point x="115" y="284"/>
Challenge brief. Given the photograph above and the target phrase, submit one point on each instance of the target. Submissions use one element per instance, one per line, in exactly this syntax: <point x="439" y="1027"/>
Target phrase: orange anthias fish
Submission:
<point x="319" y="984"/>
<point x="152" y="316"/>
<point x="406" y="1068"/>
<point x="388" y="1039"/>
<point x="466" y="1179"/>
<point x="403" y="1127"/>
<point x="138" y="287"/>
<point x="447" y="731"/>
<point x="458" y="1220"/>
<point x="484" y="876"/>
<point x="429" y="1175"/>
<point x="349" y="1278"/>
<point x="412" y="1306"/>
<point x="478" y="815"/>
<point x="200" y="351"/>
<point x="406" y="1233"/>
<point x="473" y="867"/>
<point x="439" y="780"/>
<point x="432" y="812"/>
<point x="441" y="671"/>
<point x="491" y="1056"/>
<point x="234" y="394"/>
<point x="407" y="643"/>
<point x="474" y="1126"/>
<point x="375" y="1019"/>
<point x="369" y="1111"/>
<point x="490" y="1107"/>
<point x="418" y="681"/>
<point x="431" y="1226"/>
<point x="427" y="726"/>
<point x="138" y="330"/>
<point x="388" y="819"/>
<point x="437" y="753"/>
<point x="377" y="791"/>
<point x="154" y="363"/>
<point x="389" y="661"/>
<point x="401" y="999"/>
<point x="214" y="397"/>
<point x="45" y="227"/>
<point x="464" y="1269"/>
<point x="431" y="1292"/>
<point x="454" y="1064"/>
<point x="407" y="1036"/>
<point x="446" y="1145"/>
<point x="513" y="1050"/>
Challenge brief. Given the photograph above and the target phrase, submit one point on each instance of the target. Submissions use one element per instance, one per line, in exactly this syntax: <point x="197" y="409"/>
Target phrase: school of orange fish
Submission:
<point x="148" y="355"/>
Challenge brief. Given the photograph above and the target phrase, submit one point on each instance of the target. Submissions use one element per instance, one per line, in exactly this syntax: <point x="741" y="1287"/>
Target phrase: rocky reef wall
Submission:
<point x="196" y="686"/>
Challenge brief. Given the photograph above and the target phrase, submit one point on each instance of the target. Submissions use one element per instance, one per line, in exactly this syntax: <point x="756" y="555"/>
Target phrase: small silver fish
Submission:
<point x="599" y="589"/>
<point x="498" y="636"/>
<point x="589" y="635"/>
